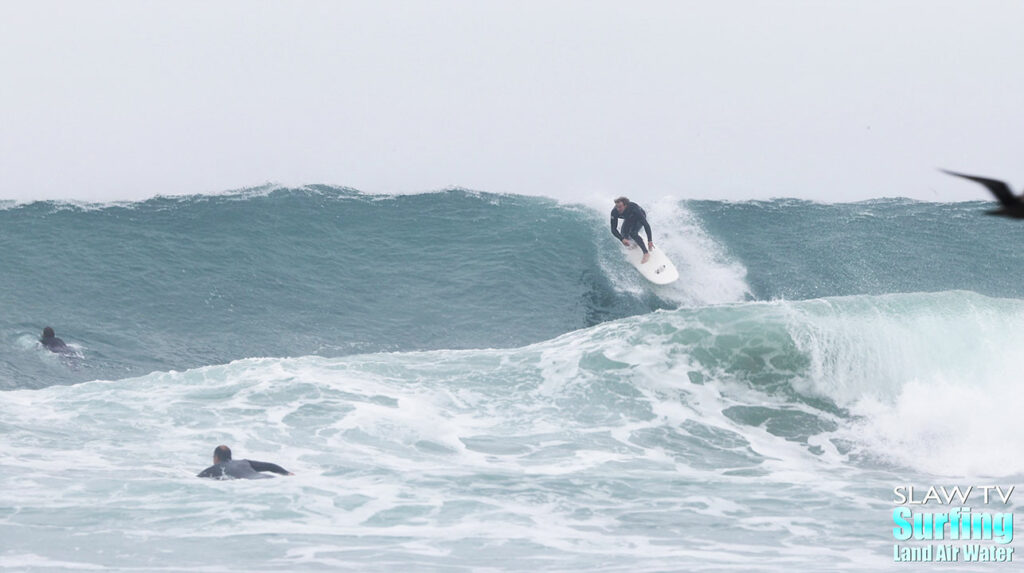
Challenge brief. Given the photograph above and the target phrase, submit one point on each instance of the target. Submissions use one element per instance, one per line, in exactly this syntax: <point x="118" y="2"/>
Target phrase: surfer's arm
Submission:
<point x="268" y="467"/>
<point x="647" y="228"/>
<point x="615" y="227"/>
<point x="211" y="472"/>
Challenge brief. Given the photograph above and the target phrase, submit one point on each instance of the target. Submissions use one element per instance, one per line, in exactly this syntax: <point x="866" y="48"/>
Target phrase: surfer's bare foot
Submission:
<point x="646" y="257"/>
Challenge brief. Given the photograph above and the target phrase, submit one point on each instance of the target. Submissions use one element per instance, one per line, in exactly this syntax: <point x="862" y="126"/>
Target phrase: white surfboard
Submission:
<point x="658" y="269"/>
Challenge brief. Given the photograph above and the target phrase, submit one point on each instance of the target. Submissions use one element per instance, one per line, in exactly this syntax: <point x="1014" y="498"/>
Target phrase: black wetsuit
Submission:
<point x="633" y="217"/>
<point x="54" y="344"/>
<point x="241" y="469"/>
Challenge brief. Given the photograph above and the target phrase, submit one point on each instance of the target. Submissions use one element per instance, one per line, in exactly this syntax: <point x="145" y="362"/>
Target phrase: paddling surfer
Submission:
<point x="225" y="468"/>
<point x="52" y="343"/>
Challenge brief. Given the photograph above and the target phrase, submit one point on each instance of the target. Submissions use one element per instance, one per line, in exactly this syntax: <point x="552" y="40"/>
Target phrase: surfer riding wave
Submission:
<point x="633" y="218"/>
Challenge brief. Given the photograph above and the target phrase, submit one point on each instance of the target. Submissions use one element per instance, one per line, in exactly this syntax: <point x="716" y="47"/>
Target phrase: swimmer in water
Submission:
<point x="52" y="343"/>
<point x="225" y="468"/>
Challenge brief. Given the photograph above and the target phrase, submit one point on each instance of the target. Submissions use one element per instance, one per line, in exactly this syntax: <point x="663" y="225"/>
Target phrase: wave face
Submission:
<point x="463" y="381"/>
<point x="180" y="283"/>
<point x="176" y="283"/>
<point x="797" y="250"/>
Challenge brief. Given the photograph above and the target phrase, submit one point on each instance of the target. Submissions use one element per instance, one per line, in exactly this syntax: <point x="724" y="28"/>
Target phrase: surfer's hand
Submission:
<point x="650" y="244"/>
<point x="625" y="242"/>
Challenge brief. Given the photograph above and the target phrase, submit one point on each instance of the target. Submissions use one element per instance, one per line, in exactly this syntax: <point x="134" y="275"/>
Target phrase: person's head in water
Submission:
<point x="621" y="203"/>
<point x="221" y="454"/>
<point x="52" y="343"/>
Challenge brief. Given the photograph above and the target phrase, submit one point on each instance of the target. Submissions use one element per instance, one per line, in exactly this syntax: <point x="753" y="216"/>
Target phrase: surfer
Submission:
<point x="1012" y="206"/>
<point x="52" y="343"/>
<point x="633" y="217"/>
<point x="225" y="468"/>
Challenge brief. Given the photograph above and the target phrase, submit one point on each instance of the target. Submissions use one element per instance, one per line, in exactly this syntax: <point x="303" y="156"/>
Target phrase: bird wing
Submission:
<point x="998" y="188"/>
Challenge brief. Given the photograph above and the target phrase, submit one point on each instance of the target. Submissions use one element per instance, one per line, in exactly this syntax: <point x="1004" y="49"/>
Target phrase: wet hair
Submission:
<point x="623" y="200"/>
<point x="222" y="453"/>
<point x="48" y="332"/>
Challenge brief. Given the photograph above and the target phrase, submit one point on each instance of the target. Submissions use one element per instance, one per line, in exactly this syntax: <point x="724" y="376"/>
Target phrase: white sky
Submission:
<point x="827" y="100"/>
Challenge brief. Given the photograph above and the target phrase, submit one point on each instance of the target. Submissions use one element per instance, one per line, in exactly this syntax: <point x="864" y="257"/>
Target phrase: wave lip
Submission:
<point x="890" y="374"/>
<point x="929" y="376"/>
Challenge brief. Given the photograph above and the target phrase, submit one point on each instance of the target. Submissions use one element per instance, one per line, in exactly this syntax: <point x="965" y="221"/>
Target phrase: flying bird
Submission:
<point x="1011" y="205"/>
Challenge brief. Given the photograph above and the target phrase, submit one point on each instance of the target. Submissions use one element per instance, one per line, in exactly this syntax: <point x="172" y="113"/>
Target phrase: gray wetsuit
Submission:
<point x="241" y="469"/>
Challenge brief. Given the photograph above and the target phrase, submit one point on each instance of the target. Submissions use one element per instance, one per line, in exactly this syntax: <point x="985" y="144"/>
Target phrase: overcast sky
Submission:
<point x="826" y="100"/>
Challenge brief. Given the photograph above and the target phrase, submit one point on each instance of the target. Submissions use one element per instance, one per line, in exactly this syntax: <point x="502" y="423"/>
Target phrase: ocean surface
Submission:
<point x="464" y="381"/>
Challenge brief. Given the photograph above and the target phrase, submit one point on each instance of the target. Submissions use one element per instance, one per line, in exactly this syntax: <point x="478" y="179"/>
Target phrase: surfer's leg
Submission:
<point x="634" y="235"/>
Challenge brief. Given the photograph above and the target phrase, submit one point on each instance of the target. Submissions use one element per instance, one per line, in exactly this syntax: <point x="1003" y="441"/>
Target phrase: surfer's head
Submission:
<point x="221" y="454"/>
<point x="48" y="332"/>
<point x="621" y="203"/>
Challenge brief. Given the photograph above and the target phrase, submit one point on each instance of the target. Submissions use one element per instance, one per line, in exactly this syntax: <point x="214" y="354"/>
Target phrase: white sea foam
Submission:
<point x="933" y="377"/>
<point x="587" y="452"/>
<point x="708" y="274"/>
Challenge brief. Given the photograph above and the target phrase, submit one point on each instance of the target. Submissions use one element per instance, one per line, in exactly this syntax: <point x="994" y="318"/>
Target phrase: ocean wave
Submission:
<point x="182" y="282"/>
<point x="695" y="437"/>
<point x="821" y="374"/>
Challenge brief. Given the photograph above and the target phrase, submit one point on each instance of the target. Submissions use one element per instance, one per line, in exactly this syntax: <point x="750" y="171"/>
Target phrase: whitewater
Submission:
<point x="470" y="381"/>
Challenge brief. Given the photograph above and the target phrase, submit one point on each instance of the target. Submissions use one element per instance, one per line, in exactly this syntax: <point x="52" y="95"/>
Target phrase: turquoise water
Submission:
<point x="466" y="381"/>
